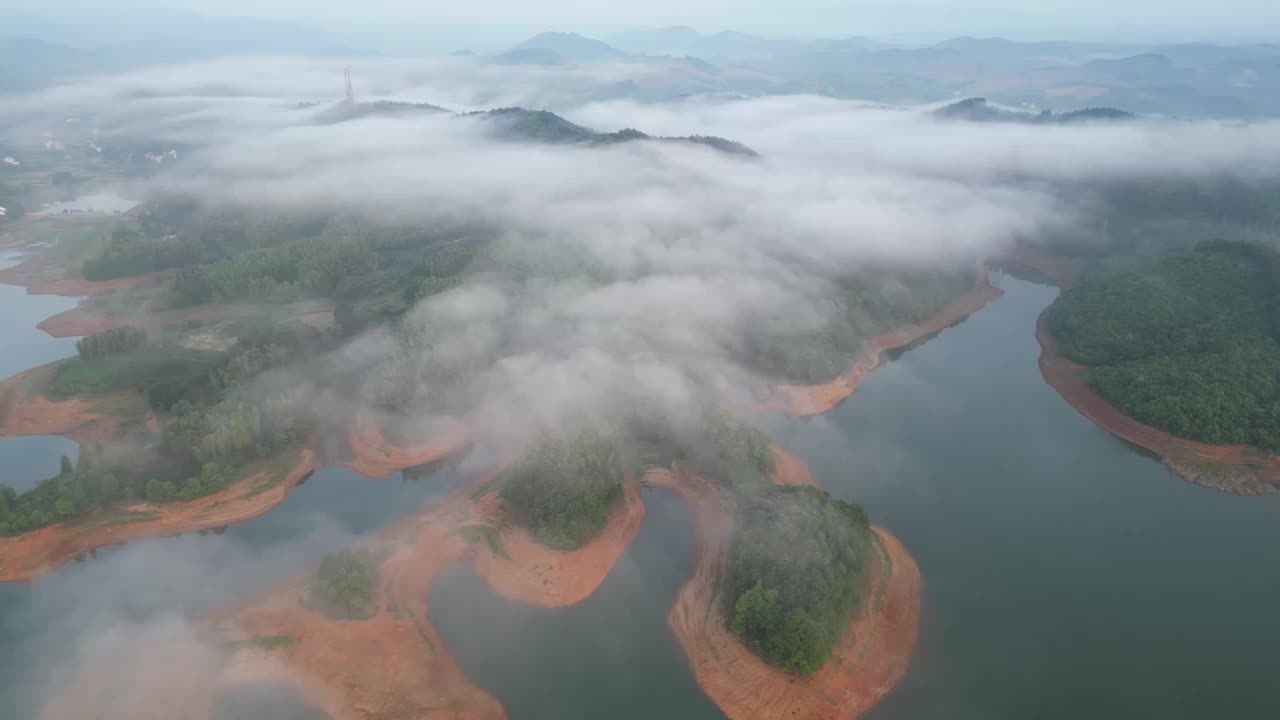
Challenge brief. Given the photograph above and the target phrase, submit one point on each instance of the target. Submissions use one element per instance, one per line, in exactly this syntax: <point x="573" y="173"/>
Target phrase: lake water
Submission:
<point x="1066" y="575"/>
<point x="137" y="586"/>
<point x="26" y="460"/>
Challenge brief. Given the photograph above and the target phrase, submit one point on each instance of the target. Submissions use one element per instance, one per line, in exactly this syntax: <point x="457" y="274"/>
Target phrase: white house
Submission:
<point x="11" y="161"/>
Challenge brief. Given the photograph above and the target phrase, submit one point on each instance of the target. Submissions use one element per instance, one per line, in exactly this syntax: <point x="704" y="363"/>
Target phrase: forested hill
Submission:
<point x="977" y="109"/>
<point x="520" y="124"/>
<point x="1186" y="344"/>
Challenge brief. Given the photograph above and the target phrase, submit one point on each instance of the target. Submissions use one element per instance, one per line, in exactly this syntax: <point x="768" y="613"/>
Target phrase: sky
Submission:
<point x="498" y="22"/>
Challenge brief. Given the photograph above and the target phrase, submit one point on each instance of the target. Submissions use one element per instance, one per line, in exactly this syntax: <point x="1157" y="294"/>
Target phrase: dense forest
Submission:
<point x="796" y="572"/>
<point x="562" y="489"/>
<point x="1186" y="343"/>
<point x="796" y="566"/>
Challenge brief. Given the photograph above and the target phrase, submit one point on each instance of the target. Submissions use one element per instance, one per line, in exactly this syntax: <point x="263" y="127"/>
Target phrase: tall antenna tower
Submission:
<point x="351" y="93"/>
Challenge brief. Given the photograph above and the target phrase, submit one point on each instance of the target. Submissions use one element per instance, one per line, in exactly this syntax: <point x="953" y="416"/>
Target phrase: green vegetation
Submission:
<point x="140" y="370"/>
<point x="76" y="490"/>
<point x="1185" y="343"/>
<point x="870" y="302"/>
<point x="796" y="573"/>
<point x="213" y="429"/>
<point x="111" y="342"/>
<point x="562" y="490"/>
<point x="344" y="585"/>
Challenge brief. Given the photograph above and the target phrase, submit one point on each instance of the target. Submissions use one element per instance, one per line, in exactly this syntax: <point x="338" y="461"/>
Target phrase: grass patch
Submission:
<point x="117" y="516"/>
<point x="344" y="586"/>
<point x="137" y="370"/>
<point x="486" y="533"/>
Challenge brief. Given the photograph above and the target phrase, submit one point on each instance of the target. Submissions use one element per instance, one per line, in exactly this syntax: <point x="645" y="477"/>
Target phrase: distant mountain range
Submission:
<point x="1184" y="80"/>
<point x="979" y="110"/>
<point x="550" y="48"/>
<point x="1193" y="80"/>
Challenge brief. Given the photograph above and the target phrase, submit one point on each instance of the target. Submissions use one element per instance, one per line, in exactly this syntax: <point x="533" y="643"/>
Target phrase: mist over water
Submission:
<point x="1065" y="575"/>
<point x="96" y="607"/>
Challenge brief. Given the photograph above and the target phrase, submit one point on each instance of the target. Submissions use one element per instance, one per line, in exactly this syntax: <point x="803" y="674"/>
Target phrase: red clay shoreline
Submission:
<point x="808" y="400"/>
<point x="1231" y="469"/>
<point x="31" y="555"/>
<point x="397" y="661"/>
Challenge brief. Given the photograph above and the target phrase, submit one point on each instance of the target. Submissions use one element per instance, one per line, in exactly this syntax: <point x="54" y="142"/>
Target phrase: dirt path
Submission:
<point x="806" y="400"/>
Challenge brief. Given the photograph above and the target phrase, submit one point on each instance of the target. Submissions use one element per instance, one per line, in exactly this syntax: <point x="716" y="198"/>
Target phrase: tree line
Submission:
<point x="118" y="340"/>
<point x="1186" y="343"/>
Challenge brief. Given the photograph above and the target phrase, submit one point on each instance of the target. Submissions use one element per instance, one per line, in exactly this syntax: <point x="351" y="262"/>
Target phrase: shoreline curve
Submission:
<point x="810" y="400"/>
<point x="349" y="669"/>
<point x="1230" y="469"/>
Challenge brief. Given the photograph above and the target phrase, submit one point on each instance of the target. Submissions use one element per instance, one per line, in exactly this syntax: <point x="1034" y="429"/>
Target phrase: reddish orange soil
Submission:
<point x="376" y="457"/>
<point x="804" y="400"/>
<point x="1235" y="469"/>
<point x="28" y="413"/>
<point x="395" y="665"/>
<point x="535" y="575"/>
<point x="864" y="666"/>
<point x="33" y="554"/>
<point x="41" y="276"/>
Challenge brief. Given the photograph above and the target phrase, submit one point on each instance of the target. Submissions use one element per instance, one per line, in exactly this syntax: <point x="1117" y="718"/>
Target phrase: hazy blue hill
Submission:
<point x="26" y="63"/>
<point x="529" y="56"/>
<point x="571" y="47"/>
<point x="513" y="123"/>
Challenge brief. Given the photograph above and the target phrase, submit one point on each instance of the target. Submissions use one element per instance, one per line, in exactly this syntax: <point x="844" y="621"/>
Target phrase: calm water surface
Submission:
<point x="26" y="460"/>
<point x="1066" y="575"/>
<point x="610" y="656"/>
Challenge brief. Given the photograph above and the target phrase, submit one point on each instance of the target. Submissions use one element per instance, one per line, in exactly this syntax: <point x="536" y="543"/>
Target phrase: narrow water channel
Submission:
<point x="610" y="656"/>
